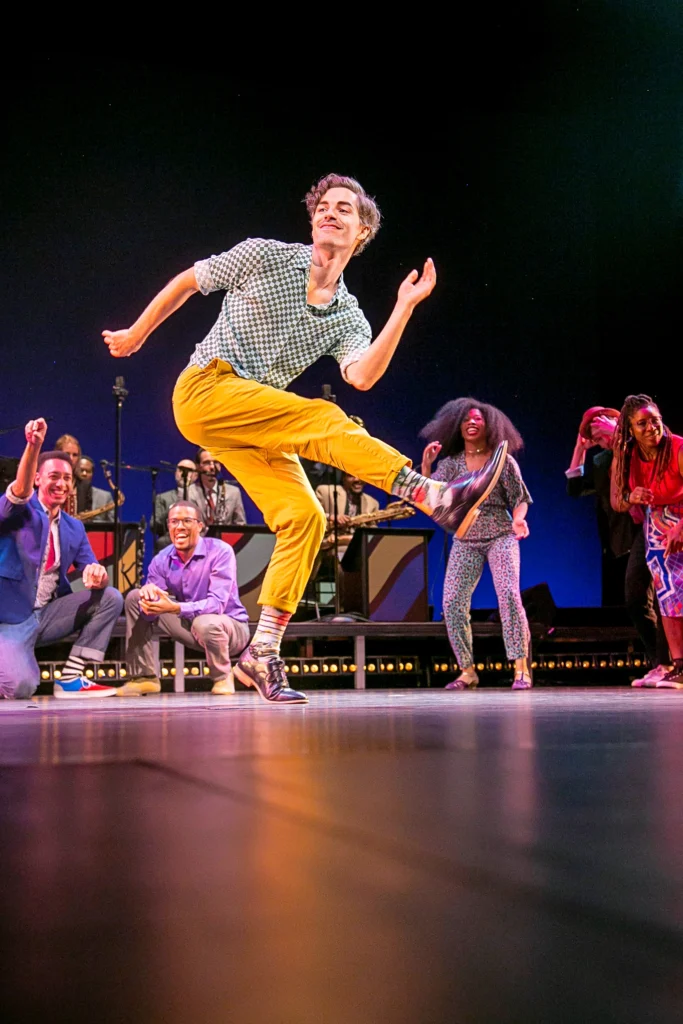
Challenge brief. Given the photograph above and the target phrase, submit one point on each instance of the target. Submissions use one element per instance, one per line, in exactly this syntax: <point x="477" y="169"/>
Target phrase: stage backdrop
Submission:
<point x="543" y="178"/>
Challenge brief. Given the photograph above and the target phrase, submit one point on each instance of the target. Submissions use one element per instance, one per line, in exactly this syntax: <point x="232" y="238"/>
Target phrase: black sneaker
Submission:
<point x="460" y="502"/>
<point x="267" y="675"/>
<point x="673" y="680"/>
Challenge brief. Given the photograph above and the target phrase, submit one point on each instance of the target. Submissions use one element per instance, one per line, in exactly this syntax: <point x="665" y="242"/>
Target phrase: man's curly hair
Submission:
<point x="368" y="209"/>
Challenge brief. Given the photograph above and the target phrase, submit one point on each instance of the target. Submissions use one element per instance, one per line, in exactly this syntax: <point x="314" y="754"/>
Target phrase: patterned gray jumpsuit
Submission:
<point x="490" y="537"/>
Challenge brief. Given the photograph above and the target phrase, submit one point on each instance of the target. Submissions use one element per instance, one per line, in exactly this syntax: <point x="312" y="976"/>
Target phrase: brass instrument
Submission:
<point x="394" y="510"/>
<point x="93" y="512"/>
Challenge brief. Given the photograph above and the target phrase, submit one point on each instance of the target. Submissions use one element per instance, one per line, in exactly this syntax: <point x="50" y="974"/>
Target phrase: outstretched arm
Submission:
<point x="131" y="339"/>
<point x="368" y="369"/>
<point x="35" y="431"/>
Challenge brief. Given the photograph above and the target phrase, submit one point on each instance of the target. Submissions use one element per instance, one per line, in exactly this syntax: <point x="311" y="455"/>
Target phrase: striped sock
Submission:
<point x="269" y="632"/>
<point x="418" y="489"/>
<point x="74" y="667"/>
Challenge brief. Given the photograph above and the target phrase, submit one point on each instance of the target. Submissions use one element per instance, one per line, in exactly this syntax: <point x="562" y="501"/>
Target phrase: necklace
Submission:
<point x="474" y="451"/>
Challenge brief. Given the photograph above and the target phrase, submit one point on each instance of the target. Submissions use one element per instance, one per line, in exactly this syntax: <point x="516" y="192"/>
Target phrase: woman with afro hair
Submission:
<point x="465" y="433"/>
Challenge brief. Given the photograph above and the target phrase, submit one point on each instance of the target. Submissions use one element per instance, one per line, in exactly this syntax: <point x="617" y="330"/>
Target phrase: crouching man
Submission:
<point x="39" y="543"/>
<point x="191" y="596"/>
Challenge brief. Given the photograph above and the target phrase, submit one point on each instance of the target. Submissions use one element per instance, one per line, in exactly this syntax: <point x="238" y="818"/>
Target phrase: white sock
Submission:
<point x="74" y="667"/>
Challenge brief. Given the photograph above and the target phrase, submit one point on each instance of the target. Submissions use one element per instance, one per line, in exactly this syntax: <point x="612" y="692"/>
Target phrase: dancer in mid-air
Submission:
<point x="465" y="432"/>
<point x="284" y="307"/>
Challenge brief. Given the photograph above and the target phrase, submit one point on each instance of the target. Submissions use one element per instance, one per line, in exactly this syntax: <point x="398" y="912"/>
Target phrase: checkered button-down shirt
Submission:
<point x="266" y="329"/>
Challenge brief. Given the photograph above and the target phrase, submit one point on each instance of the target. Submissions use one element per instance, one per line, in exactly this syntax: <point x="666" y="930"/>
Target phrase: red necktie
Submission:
<point x="211" y="505"/>
<point x="51" y="553"/>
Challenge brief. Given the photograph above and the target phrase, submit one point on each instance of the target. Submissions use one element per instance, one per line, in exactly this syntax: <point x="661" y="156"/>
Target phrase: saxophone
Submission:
<point x="394" y="510"/>
<point x="91" y="513"/>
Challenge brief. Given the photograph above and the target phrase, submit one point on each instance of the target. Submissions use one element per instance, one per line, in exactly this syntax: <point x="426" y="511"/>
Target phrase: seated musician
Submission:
<point x="191" y="596"/>
<point x="218" y="501"/>
<point x="83" y="497"/>
<point x="39" y="542"/>
<point x="185" y="476"/>
<point x="352" y="501"/>
<point x="98" y="498"/>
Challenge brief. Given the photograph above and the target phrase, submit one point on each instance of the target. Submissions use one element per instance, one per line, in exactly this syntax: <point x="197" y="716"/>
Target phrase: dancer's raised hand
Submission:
<point x="414" y="289"/>
<point x="122" y="343"/>
<point x="429" y="455"/>
<point x="35" y="431"/>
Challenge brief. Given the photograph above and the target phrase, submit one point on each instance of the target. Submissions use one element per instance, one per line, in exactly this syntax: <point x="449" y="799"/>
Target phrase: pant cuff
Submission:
<point x="88" y="653"/>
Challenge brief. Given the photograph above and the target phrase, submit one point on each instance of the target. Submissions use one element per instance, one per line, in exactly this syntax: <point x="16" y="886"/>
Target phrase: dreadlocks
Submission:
<point x="445" y="427"/>
<point x="624" y="445"/>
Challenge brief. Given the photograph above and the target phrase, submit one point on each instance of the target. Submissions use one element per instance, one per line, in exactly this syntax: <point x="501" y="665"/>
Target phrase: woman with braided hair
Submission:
<point x="647" y="481"/>
<point x="465" y="432"/>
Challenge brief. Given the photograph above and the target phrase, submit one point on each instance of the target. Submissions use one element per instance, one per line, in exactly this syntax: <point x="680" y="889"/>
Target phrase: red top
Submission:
<point x="668" y="490"/>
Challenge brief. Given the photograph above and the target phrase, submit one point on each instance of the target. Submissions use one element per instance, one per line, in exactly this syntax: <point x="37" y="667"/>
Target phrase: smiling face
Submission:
<point x="208" y="469"/>
<point x="646" y="426"/>
<point x="54" y="481"/>
<point x="184" y="528"/>
<point x="473" y="428"/>
<point x="352" y="484"/>
<point x="336" y="221"/>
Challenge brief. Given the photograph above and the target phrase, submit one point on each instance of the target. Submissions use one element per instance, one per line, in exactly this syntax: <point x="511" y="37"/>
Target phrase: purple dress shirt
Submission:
<point x="204" y="585"/>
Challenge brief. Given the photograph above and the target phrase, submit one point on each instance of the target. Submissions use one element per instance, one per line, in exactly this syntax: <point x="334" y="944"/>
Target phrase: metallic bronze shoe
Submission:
<point x="267" y="675"/>
<point x="459" y="505"/>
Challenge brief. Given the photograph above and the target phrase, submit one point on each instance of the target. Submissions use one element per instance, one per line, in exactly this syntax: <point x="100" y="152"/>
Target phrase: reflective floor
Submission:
<point x="379" y="856"/>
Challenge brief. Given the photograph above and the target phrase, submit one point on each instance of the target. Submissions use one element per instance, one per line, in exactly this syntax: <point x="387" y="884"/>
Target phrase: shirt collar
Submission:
<point x="302" y="261"/>
<point x="45" y="510"/>
<point x="199" y="551"/>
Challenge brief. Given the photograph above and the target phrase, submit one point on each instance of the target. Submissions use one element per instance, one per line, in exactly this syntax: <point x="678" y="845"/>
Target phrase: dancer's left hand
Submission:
<point x="520" y="528"/>
<point x="674" y="539"/>
<point x="414" y="290"/>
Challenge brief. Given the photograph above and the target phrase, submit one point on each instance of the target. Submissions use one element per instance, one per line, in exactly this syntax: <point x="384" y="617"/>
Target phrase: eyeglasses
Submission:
<point x="182" y="522"/>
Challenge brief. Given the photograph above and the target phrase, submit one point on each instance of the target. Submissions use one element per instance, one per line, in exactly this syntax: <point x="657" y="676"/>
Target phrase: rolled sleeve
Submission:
<point x="355" y="341"/>
<point x="11" y="496"/>
<point x="223" y="272"/>
<point x="516" y="490"/>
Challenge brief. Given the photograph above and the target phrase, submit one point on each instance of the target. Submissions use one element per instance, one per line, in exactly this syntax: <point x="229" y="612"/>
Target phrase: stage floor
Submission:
<point x="377" y="857"/>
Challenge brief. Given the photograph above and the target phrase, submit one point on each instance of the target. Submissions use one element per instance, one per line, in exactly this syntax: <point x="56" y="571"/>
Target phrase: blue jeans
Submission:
<point x="91" y="613"/>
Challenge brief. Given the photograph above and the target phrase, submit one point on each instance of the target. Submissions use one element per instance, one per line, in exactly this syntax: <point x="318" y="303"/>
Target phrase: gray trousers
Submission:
<point x="90" y="613"/>
<point x="218" y="636"/>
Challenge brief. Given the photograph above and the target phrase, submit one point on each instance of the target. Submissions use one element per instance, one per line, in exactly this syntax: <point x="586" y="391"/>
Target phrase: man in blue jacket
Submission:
<point x="39" y="543"/>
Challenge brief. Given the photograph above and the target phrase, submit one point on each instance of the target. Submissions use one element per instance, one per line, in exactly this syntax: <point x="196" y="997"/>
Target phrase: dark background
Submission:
<point x="542" y="172"/>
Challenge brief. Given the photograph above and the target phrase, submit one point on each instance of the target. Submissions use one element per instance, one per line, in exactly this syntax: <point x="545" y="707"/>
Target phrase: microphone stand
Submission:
<point x="332" y="475"/>
<point x="185" y="470"/>
<point x="154" y="472"/>
<point x="120" y="395"/>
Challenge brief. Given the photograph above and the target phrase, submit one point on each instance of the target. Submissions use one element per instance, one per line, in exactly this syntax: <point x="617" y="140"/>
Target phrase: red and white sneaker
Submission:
<point x="654" y="676"/>
<point x="81" y="687"/>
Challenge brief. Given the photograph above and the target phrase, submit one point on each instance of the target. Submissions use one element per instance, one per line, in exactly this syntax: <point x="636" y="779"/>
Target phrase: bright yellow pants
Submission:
<point x="258" y="432"/>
